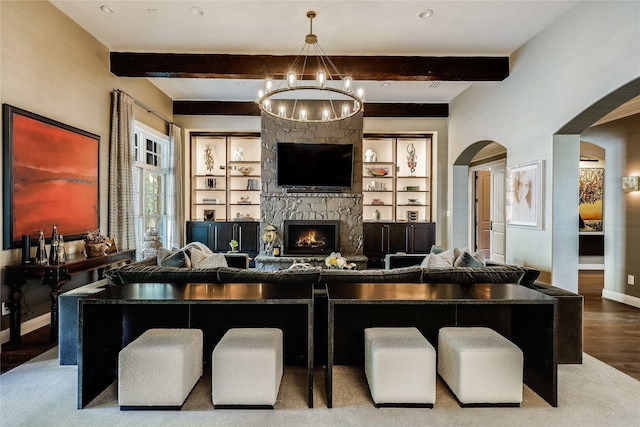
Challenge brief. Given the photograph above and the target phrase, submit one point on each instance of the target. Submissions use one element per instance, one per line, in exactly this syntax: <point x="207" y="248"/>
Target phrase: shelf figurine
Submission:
<point x="411" y="158"/>
<point x="208" y="158"/>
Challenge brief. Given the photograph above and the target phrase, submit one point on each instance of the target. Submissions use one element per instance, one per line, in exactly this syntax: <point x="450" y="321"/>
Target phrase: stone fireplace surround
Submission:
<point x="278" y="205"/>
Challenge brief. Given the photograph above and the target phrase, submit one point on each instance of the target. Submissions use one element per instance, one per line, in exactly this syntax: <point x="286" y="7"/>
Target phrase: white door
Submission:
<point x="498" y="222"/>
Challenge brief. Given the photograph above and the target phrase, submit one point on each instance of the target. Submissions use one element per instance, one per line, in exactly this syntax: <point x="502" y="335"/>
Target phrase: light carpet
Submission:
<point x="42" y="393"/>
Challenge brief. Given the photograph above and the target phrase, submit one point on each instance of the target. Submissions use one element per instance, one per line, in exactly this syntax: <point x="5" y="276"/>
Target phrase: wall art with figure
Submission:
<point x="50" y="177"/>
<point x="591" y="198"/>
<point x="524" y="195"/>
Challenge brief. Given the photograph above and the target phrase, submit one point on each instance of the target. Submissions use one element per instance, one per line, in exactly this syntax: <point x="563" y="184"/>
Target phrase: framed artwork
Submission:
<point x="591" y="198"/>
<point x="50" y="177"/>
<point x="524" y="195"/>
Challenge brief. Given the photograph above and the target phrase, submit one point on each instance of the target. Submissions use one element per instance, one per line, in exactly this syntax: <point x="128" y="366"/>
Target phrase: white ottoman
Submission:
<point x="400" y="366"/>
<point x="480" y="366"/>
<point x="246" y="368"/>
<point x="159" y="369"/>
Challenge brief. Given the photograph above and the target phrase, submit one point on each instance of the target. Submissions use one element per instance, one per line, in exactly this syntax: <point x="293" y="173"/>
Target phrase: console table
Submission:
<point x="55" y="276"/>
<point x="524" y="316"/>
<point x="111" y="319"/>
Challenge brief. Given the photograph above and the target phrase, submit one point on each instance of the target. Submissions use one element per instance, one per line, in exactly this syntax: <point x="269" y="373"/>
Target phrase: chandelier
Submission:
<point x="330" y="98"/>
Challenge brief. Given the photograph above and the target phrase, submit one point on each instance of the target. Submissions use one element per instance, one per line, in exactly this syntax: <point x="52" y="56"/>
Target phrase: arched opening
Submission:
<point x="565" y="199"/>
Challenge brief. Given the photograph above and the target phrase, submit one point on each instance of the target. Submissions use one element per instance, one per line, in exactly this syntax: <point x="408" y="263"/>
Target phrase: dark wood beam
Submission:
<point x="374" y="68"/>
<point x="375" y="109"/>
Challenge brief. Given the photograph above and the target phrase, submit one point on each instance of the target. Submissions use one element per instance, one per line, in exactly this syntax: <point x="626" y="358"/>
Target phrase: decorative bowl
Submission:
<point x="245" y="170"/>
<point x="377" y="171"/>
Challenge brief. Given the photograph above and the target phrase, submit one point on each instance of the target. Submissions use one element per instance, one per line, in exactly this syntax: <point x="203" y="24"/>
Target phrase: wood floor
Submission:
<point x="611" y="332"/>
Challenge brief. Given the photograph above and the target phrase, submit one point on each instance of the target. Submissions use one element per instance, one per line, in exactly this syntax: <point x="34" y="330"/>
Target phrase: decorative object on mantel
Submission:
<point x="332" y="90"/>
<point x="338" y="262"/>
<point x="151" y="243"/>
<point x="411" y="158"/>
<point x="234" y="245"/>
<point x="96" y="244"/>
<point x="208" y="158"/>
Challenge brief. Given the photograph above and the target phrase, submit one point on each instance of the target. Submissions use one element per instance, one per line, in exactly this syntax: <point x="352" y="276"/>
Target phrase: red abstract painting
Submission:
<point x="54" y="177"/>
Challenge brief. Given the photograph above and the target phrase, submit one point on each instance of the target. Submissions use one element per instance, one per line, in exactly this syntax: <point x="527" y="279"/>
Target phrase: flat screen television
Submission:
<point x="314" y="166"/>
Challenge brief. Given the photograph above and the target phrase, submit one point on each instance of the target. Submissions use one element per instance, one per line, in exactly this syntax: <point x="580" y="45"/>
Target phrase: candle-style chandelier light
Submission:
<point x="330" y="98"/>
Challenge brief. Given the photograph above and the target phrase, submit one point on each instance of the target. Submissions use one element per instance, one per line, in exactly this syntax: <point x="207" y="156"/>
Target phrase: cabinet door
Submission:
<point x="223" y="235"/>
<point x="423" y="236"/>
<point x="398" y="238"/>
<point x="247" y="236"/>
<point x="201" y="231"/>
<point x="374" y="242"/>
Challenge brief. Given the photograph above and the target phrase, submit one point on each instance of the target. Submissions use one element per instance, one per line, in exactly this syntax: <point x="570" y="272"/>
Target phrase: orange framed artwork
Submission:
<point x="50" y="177"/>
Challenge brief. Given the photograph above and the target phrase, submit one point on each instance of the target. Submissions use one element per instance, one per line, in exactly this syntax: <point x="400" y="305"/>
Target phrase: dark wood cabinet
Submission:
<point x="217" y="235"/>
<point x="382" y="238"/>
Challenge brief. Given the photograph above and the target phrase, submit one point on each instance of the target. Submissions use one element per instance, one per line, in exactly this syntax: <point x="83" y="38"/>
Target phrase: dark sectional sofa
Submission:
<point x="570" y="305"/>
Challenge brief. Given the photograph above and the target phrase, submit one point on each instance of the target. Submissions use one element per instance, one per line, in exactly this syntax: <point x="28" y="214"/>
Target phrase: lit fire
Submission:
<point x="309" y="241"/>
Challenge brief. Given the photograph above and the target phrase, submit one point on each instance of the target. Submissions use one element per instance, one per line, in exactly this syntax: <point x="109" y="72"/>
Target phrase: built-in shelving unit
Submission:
<point x="225" y="177"/>
<point x="391" y="190"/>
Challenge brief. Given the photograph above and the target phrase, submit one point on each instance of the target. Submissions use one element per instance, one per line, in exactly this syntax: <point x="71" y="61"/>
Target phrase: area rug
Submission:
<point x="42" y="393"/>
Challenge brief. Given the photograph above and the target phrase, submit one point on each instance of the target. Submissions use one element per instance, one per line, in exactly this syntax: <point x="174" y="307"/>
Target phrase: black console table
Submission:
<point x="526" y="317"/>
<point x="111" y="319"/>
<point x="55" y="276"/>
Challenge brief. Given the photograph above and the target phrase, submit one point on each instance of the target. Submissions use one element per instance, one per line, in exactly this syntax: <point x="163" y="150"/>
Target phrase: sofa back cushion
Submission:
<point x="241" y="275"/>
<point x="395" y="275"/>
<point x="468" y="275"/>
<point x="135" y="273"/>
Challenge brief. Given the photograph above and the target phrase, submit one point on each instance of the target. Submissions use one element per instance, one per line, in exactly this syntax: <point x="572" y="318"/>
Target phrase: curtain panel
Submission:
<point x="175" y="188"/>
<point x="122" y="224"/>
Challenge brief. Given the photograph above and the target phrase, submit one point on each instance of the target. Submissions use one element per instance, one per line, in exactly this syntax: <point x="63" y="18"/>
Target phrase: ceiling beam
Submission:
<point x="373" y="68"/>
<point x="371" y="109"/>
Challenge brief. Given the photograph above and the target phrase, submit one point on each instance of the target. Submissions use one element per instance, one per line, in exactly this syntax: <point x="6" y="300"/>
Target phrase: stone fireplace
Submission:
<point x="305" y="237"/>
<point x="278" y="207"/>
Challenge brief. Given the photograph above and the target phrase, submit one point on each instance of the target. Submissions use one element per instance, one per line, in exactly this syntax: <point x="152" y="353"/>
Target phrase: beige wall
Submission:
<point x="581" y="57"/>
<point x="52" y="67"/>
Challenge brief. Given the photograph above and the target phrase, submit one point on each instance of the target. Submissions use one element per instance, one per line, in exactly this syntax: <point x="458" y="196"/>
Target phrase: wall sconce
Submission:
<point x="630" y="183"/>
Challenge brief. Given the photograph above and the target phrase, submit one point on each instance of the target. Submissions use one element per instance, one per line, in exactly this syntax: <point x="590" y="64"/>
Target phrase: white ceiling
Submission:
<point x="457" y="28"/>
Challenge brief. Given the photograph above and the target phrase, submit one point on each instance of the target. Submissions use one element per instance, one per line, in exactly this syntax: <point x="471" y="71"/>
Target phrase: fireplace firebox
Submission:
<point x="309" y="237"/>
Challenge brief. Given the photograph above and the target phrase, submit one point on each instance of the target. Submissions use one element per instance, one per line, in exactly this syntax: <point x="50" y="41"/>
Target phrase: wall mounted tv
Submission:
<point x="314" y="166"/>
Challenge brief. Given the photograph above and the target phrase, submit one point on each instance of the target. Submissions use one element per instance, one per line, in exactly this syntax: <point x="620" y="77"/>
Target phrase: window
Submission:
<point x="150" y="176"/>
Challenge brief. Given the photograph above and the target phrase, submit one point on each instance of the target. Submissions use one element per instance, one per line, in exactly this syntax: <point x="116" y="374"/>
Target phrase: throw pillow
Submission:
<point x="207" y="261"/>
<point x="450" y="255"/>
<point x="435" y="261"/>
<point x="176" y="259"/>
<point x="162" y="254"/>
<point x="436" y="249"/>
<point x="468" y="260"/>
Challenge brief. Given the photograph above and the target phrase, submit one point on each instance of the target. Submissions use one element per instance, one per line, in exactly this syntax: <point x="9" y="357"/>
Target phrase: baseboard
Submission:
<point x="620" y="297"/>
<point x="28" y="326"/>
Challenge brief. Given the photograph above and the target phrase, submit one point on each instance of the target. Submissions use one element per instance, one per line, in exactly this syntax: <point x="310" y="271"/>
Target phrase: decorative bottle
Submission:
<point x="62" y="253"/>
<point x="41" y="250"/>
<point x="53" y="252"/>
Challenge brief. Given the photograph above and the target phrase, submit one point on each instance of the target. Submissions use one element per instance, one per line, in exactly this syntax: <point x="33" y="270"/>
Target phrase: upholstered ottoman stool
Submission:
<point x="400" y="366"/>
<point x="246" y="368"/>
<point x="159" y="369"/>
<point x="480" y="366"/>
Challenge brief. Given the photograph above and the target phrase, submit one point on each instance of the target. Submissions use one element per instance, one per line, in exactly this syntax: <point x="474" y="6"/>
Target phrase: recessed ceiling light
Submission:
<point x="154" y="11"/>
<point x="196" y="11"/>
<point x="427" y="13"/>
<point x="107" y="9"/>
<point x="240" y="83"/>
<point x="385" y="84"/>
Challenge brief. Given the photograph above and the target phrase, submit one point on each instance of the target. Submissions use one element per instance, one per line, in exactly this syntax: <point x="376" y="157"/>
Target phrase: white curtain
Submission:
<point x="122" y="222"/>
<point x="175" y="188"/>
